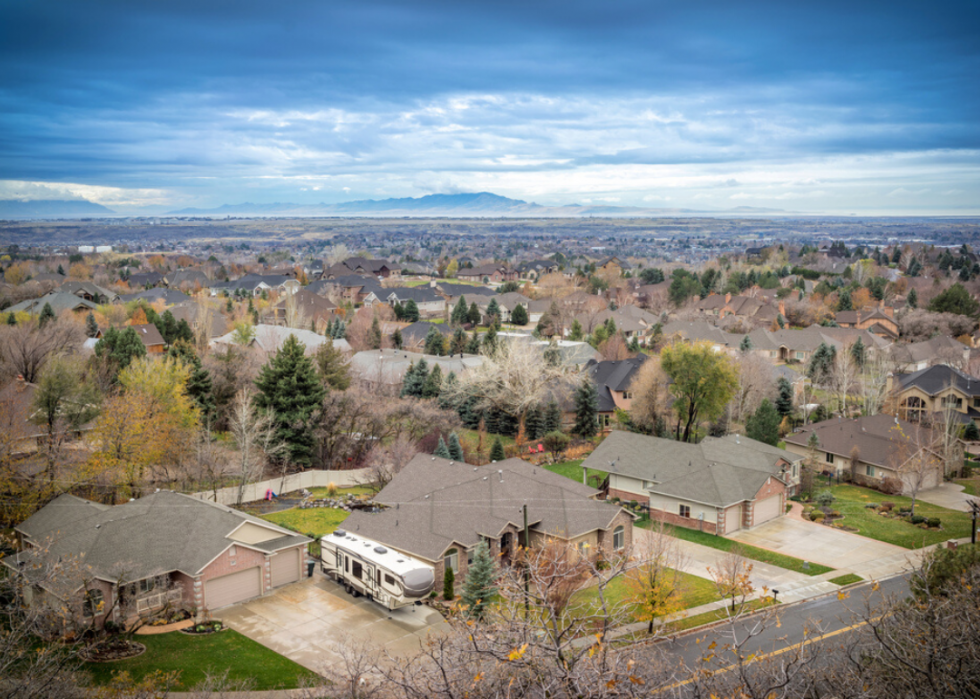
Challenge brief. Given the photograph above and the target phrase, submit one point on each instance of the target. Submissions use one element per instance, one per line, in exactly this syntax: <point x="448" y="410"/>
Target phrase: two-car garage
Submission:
<point x="246" y="584"/>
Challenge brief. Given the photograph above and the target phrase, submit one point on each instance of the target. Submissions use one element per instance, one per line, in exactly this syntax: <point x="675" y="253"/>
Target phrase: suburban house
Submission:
<point x="924" y="395"/>
<point x="490" y="273"/>
<point x="269" y="338"/>
<point x="144" y="279"/>
<point x="880" y="321"/>
<point x="535" y="269"/>
<point x="197" y="315"/>
<point x="439" y="511"/>
<point x="718" y="486"/>
<point x="88" y="291"/>
<point x="356" y="289"/>
<point x="919" y="355"/>
<point x="162" y="549"/>
<point x="187" y="279"/>
<point x="756" y="309"/>
<point x="59" y="301"/>
<point x="362" y="265"/>
<point x="872" y="448"/>
<point x="613" y="266"/>
<point x="168" y="297"/>
<point x="430" y="303"/>
<point x="387" y="367"/>
<point x="307" y="306"/>
<point x="613" y="380"/>
<point x="414" y="334"/>
<point x="255" y="284"/>
<point x="151" y="338"/>
<point x="574" y="355"/>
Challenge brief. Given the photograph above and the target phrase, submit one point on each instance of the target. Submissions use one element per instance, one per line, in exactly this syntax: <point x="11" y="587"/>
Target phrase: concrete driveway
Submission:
<point x="309" y="620"/>
<point x="948" y="495"/>
<point x="817" y="543"/>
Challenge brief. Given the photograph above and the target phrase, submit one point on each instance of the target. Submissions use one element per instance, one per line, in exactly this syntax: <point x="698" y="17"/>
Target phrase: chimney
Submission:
<point x="782" y="308"/>
<point x="888" y="311"/>
<point x="20" y="377"/>
<point x="728" y="297"/>
<point x="858" y="316"/>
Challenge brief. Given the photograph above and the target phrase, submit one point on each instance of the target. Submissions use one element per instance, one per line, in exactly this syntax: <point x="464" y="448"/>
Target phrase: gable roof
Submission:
<point x="435" y="504"/>
<point x="59" y="300"/>
<point x="882" y="440"/>
<point x="614" y="376"/>
<point x="938" y="378"/>
<point x="716" y="472"/>
<point x="148" y="334"/>
<point x="925" y="351"/>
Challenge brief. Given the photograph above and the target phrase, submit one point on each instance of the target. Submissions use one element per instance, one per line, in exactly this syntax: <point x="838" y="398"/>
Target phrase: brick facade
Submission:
<point x="772" y="486"/>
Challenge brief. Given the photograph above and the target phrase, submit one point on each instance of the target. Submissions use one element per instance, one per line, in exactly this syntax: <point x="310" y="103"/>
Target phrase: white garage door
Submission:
<point x="767" y="509"/>
<point x="285" y="567"/>
<point x="733" y="519"/>
<point x="229" y="589"/>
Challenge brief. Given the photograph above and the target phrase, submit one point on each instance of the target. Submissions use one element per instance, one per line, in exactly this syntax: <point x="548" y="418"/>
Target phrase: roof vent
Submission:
<point x="380" y="549"/>
<point x="340" y="533"/>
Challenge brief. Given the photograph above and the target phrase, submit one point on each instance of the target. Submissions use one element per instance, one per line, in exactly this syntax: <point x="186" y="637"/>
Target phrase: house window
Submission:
<point x="796" y="470"/>
<point x="452" y="559"/>
<point x="232" y="551"/>
<point x="685" y="511"/>
<point x="583" y="548"/>
<point x="952" y="401"/>
<point x="799" y="355"/>
<point x="93" y="603"/>
<point x="619" y="538"/>
<point x="976" y="402"/>
<point x="627" y="395"/>
<point x="869" y="470"/>
<point x="829" y="457"/>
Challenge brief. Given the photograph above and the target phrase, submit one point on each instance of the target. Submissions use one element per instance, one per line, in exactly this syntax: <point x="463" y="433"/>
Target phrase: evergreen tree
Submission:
<point x="47" y="314"/>
<point x="473" y="346"/>
<point x="442" y="451"/>
<point x="534" y="423"/>
<point x="552" y="417"/>
<point x="460" y="312"/>
<point x="955" y="299"/>
<point x="413" y="383"/>
<point x="374" y="334"/>
<point x="586" y="409"/>
<point x="473" y="315"/>
<point x="576" y="333"/>
<point x="411" y="312"/>
<point x="120" y="347"/>
<point x="493" y="310"/>
<point x="745" y="345"/>
<point x="490" y="340"/>
<point x="290" y="391"/>
<point x="184" y="332"/>
<point x="396" y="339"/>
<point x="634" y="345"/>
<point x="91" y="327"/>
<point x="784" y="397"/>
<point x="844" y="301"/>
<point x="858" y="352"/>
<point x="497" y="450"/>
<point x="821" y="362"/>
<point x="912" y="300"/>
<point x="896" y="255"/>
<point x="199" y="384"/>
<point x="455" y="448"/>
<point x="399" y="311"/>
<point x="519" y="315"/>
<point x="971" y="433"/>
<point x="61" y="270"/>
<point x="433" y="383"/>
<point x="229" y="307"/>
<point x="331" y="366"/>
<point x="446" y="399"/>
<point x="610" y="326"/>
<point x="448" y="585"/>
<point x="168" y="327"/>
<point x="11" y="318"/>
<point x="433" y="342"/>
<point x="458" y="343"/>
<point x="763" y="424"/>
<point x="480" y="584"/>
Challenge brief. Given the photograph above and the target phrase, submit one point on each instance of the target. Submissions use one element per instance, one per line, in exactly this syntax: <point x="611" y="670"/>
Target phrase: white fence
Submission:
<point x="294" y="481"/>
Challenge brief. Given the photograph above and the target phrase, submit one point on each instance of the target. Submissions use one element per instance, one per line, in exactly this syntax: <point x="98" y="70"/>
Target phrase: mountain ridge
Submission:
<point x="40" y="208"/>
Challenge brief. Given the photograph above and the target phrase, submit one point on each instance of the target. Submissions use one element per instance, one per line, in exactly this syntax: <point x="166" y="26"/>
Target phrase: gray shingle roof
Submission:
<point x="435" y="503"/>
<point x="882" y="440"/>
<point x="938" y="378"/>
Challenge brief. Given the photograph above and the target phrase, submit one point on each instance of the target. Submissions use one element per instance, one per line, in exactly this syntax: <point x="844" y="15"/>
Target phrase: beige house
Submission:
<point x="717" y="486"/>
<point x="925" y="395"/>
<point x="870" y="449"/>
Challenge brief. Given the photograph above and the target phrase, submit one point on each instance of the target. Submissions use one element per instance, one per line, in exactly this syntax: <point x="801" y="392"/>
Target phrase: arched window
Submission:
<point x="452" y="559"/>
<point x="913" y="408"/>
<point x="619" y="537"/>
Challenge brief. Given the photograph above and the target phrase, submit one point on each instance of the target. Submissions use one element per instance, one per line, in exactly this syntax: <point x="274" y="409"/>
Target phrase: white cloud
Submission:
<point x="107" y="196"/>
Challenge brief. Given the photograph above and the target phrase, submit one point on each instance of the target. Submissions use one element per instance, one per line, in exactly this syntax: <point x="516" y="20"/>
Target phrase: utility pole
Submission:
<point x="527" y="573"/>
<point x="975" y="511"/>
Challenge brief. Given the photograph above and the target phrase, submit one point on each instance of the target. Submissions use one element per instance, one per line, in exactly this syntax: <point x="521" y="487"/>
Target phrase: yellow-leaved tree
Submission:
<point x="653" y="584"/>
<point x="149" y="423"/>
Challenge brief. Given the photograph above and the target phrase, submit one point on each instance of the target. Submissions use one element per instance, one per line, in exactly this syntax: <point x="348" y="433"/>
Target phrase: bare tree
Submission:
<point x="254" y="433"/>
<point x="26" y="347"/>
<point x="756" y="381"/>
<point x="842" y="378"/>
<point x="652" y="399"/>
<point x="873" y="382"/>
<point x="731" y="577"/>
<point x="295" y="315"/>
<point x="387" y="460"/>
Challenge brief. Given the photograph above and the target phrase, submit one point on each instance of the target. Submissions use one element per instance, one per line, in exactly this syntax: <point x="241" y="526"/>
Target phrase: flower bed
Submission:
<point x="204" y="628"/>
<point x="112" y="649"/>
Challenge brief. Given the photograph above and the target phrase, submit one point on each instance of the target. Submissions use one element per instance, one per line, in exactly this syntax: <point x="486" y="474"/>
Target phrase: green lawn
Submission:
<point x="694" y="591"/>
<point x="573" y="470"/>
<point x="846" y="579"/>
<point x="971" y="486"/>
<point x="691" y="622"/>
<point x="195" y="656"/>
<point x="851" y="500"/>
<point x="316" y="521"/>
<point x="753" y="552"/>
<point x="471" y="438"/>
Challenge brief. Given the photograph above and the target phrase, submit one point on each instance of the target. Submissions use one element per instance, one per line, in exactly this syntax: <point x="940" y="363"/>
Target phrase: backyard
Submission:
<point x="851" y="501"/>
<point x="573" y="470"/>
<point x="315" y="521"/>
<point x="194" y="657"/>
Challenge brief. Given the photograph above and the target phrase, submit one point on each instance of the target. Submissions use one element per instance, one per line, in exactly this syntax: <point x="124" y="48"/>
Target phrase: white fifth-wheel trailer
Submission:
<point x="367" y="567"/>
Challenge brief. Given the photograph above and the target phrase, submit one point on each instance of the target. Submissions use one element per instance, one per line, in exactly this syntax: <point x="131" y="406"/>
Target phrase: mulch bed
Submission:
<point x="204" y="629"/>
<point x="110" y="651"/>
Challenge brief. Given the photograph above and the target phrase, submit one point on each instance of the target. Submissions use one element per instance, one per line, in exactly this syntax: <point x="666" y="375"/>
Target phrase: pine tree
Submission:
<point x="480" y="584"/>
<point x="490" y="340"/>
<point x="433" y="383"/>
<point x="168" y="327"/>
<point x="414" y="380"/>
<point x="47" y="313"/>
<point x="447" y="400"/>
<point x="552" y="417"/>
<point x="184" y="332"/>
<point x="460" y="312"/>
<point x="473" y="346"/>
<point x="586" y="409"/>
<point x="912" y="300"/>
<point x="11" y="318"/>
<point x="442" y="451"/>
<point x="497" y="450"/>
<point x="374" y="335"/>
<point x="448" y="585"/>
<point x="493" y="310"/>
<point x="396" y="339"/>
<point x="784" y="399"/>
<point x="331" y="366"/>
<point x="120" y="347"/>
<point x="858" y="352"/>
<point x="745" y="345"/>
<point x="411" y="311"/>
<point x="290" y="390"/>
<point x="455" y="448"/>
<point x="458" y="343"/>
<point x="91" y="327"/>
<point x="634" y="345"/>
<point x="519" y="315"/>
<point x="763" y="424"/>
<point x="433" y="342"/>
<point x="576" y="333"/>
<point x="199" y="384"/>
<point x="473" y="315"/>
<point x="61" y="270"/>
<point x="844" y="301"/>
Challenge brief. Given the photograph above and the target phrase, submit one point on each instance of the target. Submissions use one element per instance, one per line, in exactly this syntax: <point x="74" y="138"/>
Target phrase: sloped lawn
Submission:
<point x="315" y="521"/>
<point x="196" y="656"/>
<point x="850" y="501"/>
<point x="573" y="470"/>
<point x="694" y="592"/>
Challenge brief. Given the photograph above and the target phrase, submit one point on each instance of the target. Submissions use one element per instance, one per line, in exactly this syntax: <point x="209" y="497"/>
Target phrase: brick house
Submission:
<point x="719" y="486"/>
<point x="151" y="338"/>
<point x="439" y="511"/>
<point x="162" y="549"/>
<point x="880" y="321"/>
<point x="490" y="273"/>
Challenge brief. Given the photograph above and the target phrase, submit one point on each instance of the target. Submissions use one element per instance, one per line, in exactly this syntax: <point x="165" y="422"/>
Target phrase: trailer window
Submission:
<point x="379" y="577"/>
<point x="346" y="564"/>
<point x="358" y="570"/>
<point x="389" y="580"/>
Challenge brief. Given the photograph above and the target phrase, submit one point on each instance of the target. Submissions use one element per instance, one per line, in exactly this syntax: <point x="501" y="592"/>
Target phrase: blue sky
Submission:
<point x="836" y="107"/>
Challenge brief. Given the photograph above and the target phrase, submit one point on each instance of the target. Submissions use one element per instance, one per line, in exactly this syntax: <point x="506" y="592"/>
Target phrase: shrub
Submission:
<point x="633" y="504"/>
<point x="887" y="505"/>
<point x="905" y="509"/>
<point x="967" y="471"/>
<point x="448" y="584"/>
<point x="615" y="499"/>
<point x="816" y="516"/>
<point x="833" y="513"/>
<point x="918" y="519"/>
<point x="871" y="505"/>
<point x="933" y="522"/>
<point x="891" y="486"/>
<point x="824" y="498"/>
<point x="332" y="489"/>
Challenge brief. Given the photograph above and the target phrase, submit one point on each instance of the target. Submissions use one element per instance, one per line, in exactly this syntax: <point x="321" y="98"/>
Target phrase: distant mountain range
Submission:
<point x="477" y="204"/>
<point x="51" y="208"/>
